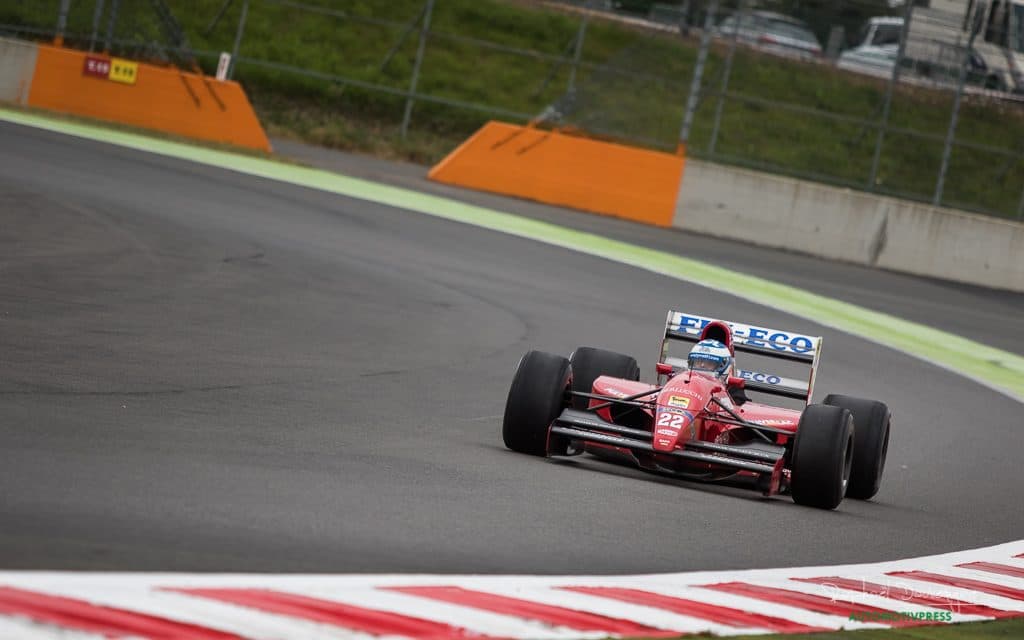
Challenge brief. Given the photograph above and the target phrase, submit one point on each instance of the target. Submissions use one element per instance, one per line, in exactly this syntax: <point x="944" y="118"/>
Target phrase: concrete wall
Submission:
<point x="17" y="64"/>
<point x="852" y="226"/>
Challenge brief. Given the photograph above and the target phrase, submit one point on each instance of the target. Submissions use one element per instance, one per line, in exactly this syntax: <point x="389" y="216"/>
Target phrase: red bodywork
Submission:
<point x="693" y="406"/>
<point x="684" y="411"/>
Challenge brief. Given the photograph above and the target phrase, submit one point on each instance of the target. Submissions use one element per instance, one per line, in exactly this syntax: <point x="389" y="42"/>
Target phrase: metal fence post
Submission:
<point x="947" y="149"/>
<point x="111" y="21"/>
<point x="698" y="73"/>
<point x="238" y="38"/>
<point x="577" y="51"/>
<point x="424" y="31"/>
<point x="62" y="22"/>
<point x="217" y="16"/>
<point x="741" y="14"/>
<point x="395" y="48"/>
<point x="887" y="105"/>
<point x="97" y="15"/>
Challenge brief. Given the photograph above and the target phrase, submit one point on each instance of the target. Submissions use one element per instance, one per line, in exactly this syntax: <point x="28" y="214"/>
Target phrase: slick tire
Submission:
<point x="822" y="456"/>
<point x="537" y="396"/>
<point x="589" y="363"/>
<point x="871" y="421"/>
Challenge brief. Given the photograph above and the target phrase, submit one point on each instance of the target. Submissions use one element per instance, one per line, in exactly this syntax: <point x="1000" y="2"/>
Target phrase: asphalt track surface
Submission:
<point x="205" y="371"/>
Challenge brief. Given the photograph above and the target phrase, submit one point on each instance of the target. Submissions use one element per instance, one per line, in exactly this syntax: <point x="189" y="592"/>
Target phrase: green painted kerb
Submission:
<point x="995" y="368"/>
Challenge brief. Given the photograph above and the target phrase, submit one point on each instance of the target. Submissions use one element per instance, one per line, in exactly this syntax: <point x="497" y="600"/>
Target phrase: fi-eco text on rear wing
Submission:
<point x="774" y="343"/>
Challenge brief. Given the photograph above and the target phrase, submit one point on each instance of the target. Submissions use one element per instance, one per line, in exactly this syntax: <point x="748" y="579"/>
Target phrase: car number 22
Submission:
<point x="672" y="420"/>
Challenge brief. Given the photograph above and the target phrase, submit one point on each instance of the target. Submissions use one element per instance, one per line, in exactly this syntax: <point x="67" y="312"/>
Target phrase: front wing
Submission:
<point x="585" y="426"/>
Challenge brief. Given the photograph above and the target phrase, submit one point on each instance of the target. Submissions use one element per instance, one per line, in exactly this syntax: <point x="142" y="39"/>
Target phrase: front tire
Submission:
<point x="589" y="363"/>
<point x="871" y="420"/>
<point x="822" y="456"/>
<point x="536" y="397"/>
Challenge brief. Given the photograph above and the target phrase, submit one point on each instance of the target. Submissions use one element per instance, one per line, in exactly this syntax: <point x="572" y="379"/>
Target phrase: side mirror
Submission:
<point x="736" y="383"/>
<point x="664" y="369"/>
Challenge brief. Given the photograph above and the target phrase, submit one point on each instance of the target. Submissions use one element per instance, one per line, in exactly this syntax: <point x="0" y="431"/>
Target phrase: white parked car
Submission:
<point x="879" y="44"/>
<point x="772" y="32"/>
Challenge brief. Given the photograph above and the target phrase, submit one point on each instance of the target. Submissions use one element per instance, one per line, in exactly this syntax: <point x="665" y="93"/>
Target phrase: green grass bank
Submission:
<point x="1012" y="629"/>
<point x="632" y="83"/>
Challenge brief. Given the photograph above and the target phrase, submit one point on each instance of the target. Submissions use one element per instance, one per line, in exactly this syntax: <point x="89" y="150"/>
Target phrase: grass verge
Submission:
<point x="632" y="83"/>
<point x="997" y="629"/>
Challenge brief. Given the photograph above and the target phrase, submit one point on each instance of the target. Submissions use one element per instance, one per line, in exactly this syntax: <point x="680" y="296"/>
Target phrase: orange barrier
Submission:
<point x="567" y="170"/>
<point x="147" y="96"/>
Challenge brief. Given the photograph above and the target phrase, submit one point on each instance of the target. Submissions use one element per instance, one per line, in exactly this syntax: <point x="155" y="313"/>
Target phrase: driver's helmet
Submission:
<point x="710" y="356"/>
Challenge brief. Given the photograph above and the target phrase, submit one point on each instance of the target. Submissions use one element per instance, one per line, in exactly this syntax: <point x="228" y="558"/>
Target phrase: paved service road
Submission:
<point x="208" y="371"/>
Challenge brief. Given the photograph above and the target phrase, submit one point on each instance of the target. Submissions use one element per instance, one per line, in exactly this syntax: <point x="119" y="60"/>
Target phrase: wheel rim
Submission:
<point x="884" y="453"/>
<point x="847" y="462"/>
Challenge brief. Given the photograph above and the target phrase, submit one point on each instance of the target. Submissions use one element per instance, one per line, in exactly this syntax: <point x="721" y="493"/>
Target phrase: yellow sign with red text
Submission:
<point x="123" y="71"/>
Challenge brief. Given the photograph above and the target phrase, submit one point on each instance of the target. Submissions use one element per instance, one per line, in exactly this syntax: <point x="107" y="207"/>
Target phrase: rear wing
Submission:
<point x="773" y="343"/>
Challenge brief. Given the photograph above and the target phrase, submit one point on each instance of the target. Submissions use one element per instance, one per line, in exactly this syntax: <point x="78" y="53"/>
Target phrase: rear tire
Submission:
<point x="589" y="363"/>
<point x="536" y="397"/>
<point x="822" y="456"/>
<point x="871" y="420"/>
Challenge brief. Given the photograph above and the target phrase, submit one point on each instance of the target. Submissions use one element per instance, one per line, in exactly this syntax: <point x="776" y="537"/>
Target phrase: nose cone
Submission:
<point x="671" y="425"/>
<point x="679" y="402"/>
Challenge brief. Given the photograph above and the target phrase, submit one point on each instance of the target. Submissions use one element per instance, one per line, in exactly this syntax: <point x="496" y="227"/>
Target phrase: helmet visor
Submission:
<point x="707" y="362"/>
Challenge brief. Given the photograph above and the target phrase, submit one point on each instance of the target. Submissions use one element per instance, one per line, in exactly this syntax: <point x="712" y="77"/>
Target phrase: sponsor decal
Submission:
<point x="96" y="66"/>
<point x="754" y="376"/>
<point x="123" y="71"/>
<point x="619" y="393"/>
<point x="772" y="422"/>
<point x="678" y="401"/>
<point x="901" y="616"/>
<point x="667" y="432"/>
<point x="664" y="442"/>
<point x="683" y="412"/>
<point x="114" y="69"/>
<point x="686" y="392"/>
<point x="754" y="336"/>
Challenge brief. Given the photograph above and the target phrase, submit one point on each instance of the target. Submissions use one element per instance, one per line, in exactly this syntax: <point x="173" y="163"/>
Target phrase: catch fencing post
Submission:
<point x="741" y="14"/>
<point x="115" y="5"/>
<point x="97" y="15"/>
<point x="908" y="13"/>
<point x="698" y="73"/>
<point x="238" y="38"/>
<point x="424" y="32"/>
<point x="395" y="48"/>
<point x="578" y="49"/>
<point x="62" y="22"/>
<point x="951" y="134"/>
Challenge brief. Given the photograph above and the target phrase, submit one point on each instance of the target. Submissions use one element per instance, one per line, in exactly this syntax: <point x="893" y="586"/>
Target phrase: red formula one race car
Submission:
<point x="697" y="422"/>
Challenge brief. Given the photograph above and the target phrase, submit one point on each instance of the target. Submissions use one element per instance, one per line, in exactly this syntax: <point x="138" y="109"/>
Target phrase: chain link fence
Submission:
<point x="921" y="102"/>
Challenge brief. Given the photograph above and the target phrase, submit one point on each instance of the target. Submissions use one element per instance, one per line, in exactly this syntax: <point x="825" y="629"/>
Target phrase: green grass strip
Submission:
<point x="995" y="368"/>
<point x="996" y="629"/>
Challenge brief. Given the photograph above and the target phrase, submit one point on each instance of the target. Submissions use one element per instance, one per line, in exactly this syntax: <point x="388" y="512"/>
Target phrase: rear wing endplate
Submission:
<point x="773" y="343"/>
